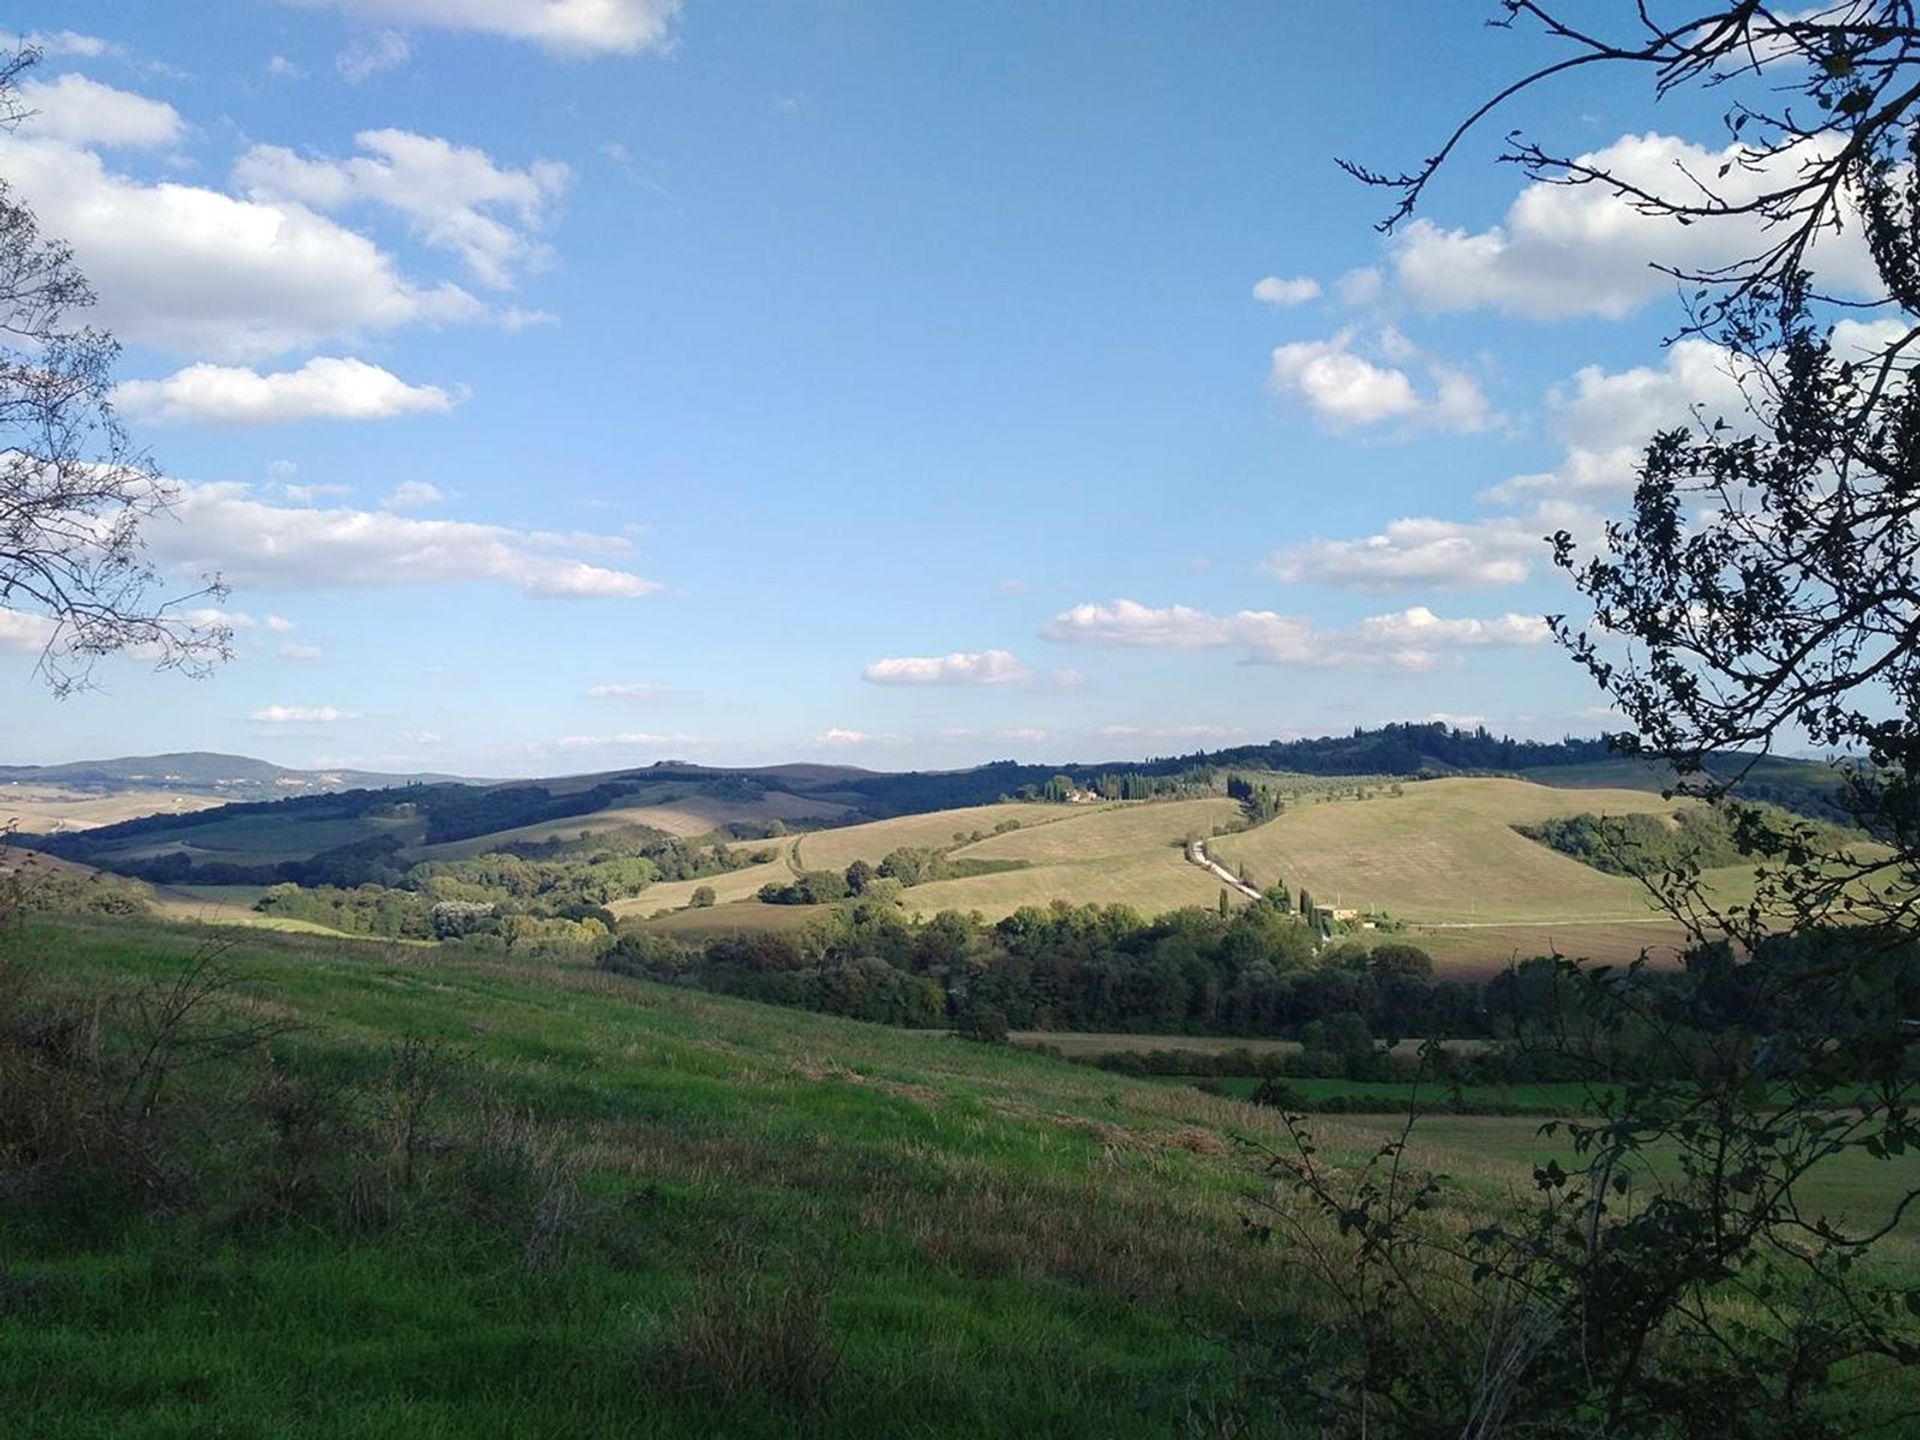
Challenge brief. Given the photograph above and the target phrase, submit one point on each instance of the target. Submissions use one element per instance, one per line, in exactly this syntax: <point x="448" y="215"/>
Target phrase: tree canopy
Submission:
<point x="74" y="489"/>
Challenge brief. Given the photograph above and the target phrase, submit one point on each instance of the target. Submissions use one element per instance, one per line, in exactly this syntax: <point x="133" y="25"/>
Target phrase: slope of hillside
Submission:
<point x="757" y="1222"/>
<point x="632" y="1209"/>
<point x="1443" y="851"/>
<point x="1128" y="854"/>
<point x="53" y="809"/>
<point x="669" y="809"/>
<point x="729" y="887"/>
<point x="1444" y="854"/>
<point x="939" y="829"/>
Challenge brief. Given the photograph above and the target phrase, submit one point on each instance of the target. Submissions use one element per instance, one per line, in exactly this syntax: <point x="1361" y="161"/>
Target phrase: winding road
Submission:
<point x="1197" y="855"/>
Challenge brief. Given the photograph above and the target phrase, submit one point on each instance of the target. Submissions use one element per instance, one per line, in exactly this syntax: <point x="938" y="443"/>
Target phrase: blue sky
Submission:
<point x="568" y="384"/>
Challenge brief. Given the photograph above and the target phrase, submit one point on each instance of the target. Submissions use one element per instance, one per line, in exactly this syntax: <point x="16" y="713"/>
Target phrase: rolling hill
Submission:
<point x="1441" y="859"/>
<point x="1440" y="856"/>
<point x="1444" y="852"/>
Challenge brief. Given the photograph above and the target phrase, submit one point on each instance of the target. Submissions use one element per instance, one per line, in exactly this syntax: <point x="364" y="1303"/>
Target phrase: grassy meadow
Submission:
<point x="766" y="1222"/>
<point x="640" y="1210"/>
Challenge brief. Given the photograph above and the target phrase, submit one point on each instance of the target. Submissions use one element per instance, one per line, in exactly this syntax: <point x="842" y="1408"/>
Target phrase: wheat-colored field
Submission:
<point x="50" y="809"/>
<point x="1469" y="950"/>
<point x="837" y="849"/>
<point x="1445" y="851"/>
<point x="1153" y="883"/>
<point x="1117" y="830"/>
<point x="1126" y="854"/>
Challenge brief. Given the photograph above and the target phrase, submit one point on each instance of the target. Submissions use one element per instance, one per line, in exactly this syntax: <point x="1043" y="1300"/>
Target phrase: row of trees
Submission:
<point x="1253" y="972"/>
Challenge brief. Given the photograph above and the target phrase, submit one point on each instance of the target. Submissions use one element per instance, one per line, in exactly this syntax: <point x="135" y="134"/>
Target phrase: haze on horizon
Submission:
<point x="563" y="387"/>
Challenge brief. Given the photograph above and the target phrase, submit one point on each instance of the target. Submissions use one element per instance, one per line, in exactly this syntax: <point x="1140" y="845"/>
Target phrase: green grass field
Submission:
<point x="969" y="1208"/>
<point x="726" y="1220"/>
<point x="259" y="839"/>
<point x="1082" y="1044"/>
<point x="666" y="808"/>
<point x="743" y="917"/>
<point x="1396" y="1097"/>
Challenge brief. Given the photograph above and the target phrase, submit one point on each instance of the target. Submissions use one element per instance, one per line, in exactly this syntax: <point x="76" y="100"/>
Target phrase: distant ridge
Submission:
<point x="239" y="777"/>
<point x="1422" y="749"/>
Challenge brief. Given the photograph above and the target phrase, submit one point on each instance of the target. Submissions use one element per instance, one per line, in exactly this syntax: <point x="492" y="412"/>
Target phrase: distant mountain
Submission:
<point x="237" y="777"/>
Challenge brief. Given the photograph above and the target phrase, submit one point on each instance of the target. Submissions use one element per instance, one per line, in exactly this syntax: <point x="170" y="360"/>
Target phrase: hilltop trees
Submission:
<point x="74" y="490"/>
<point x="1761" y="593"/>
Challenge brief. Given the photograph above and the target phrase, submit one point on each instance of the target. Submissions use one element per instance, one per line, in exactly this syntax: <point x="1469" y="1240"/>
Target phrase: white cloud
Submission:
<point x="515" y="318"/>
<point x="300" y="715"/>
<point x="294" y="650"/>
<point x="190" y="269"/>
<point x="1445" y="553"/>
<point x="281" y="66"/>
<point x="307" y="494"/>
<point x="1604" y="419"/>
<point x="1359" y="287"/>
<point x="412" y="495"/>
<point x="23" y="632"/>
<point x="1346" y="390"/>
<point x="79" y="111"/>
<point x="1022" y="735"/>
<point x="1418" y="639"/>
<point x="1582" y="250"/>
<point x="838" y="736"/>
<point x="368" y="55"/>
<point x="426" y="737"/>
<point x="1281" y="293"/>
<point x="258" y="545"/>
<point x="565" y="27"/>
<point x="325" y="388"/>
<point x="983" y="667"/>
<point x="1067" y="679"/>
<point x="279" y="624"/>
<point x="282" y="469"/>
<point x="1127" y="622"/>
<point x="454" y="196"/>
<point x="62" y="42"/>
<point x="207" y="616"/>
<point x="1411" y="639"/>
